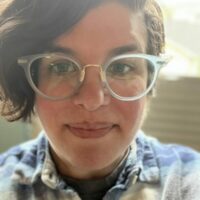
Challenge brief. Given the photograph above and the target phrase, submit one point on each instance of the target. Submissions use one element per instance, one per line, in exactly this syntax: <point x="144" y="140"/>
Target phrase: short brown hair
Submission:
<point x="28" y="27"/>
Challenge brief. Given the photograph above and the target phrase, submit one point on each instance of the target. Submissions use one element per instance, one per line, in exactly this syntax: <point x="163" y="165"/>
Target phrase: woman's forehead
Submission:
<point x="103" y="29"/>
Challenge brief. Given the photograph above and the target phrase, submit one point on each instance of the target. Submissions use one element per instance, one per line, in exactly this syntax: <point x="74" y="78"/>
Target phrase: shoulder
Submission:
<point x="164" y="154"/>
<point x="179" y="168"/>
<point x="17" y="163"/>
<point x="174" y="167"/>
<point x="168" y="159"/>
<point x="169" y="154"/>
<point x="17" y="153"/>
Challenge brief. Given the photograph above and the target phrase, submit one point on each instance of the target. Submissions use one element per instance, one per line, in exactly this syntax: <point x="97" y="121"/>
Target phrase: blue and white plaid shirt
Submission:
<point x="153" y="171"/>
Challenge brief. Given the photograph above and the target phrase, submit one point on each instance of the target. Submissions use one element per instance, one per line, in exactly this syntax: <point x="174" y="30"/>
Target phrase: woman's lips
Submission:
<point x="90" y="131"/>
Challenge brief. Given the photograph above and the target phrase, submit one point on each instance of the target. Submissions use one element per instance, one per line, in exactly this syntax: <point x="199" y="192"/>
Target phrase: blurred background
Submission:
<point x="174" y="115"/>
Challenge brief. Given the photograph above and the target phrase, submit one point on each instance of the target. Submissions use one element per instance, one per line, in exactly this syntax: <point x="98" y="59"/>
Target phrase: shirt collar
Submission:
<point x="146" y="159"/>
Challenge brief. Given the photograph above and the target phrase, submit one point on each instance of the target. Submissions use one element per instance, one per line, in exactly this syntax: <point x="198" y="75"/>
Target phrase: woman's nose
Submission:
<point x="92" y="94"/>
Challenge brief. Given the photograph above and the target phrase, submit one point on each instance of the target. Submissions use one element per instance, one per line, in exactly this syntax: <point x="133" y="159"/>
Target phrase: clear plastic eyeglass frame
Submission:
<point x="157" y="63"/>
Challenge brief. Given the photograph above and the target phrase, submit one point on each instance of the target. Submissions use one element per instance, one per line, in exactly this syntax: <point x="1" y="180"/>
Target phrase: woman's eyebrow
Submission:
<point x="58" y="49"/>
<point x="129" y="48"/>
<point x="124" y="49"/>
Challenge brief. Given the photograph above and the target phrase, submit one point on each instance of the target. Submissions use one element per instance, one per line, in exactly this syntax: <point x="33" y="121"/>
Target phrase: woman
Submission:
<point x="86" y="68"/>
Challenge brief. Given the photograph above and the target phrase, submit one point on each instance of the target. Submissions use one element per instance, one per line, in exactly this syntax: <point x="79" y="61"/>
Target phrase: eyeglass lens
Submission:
<point x="60" y="77"/>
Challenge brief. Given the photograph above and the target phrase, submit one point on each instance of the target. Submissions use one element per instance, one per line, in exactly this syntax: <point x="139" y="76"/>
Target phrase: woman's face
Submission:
<point x="90" y="132"/>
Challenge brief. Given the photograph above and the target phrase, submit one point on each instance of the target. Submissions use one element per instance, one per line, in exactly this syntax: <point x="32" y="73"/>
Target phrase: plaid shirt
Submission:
<point x="152" y="172"/>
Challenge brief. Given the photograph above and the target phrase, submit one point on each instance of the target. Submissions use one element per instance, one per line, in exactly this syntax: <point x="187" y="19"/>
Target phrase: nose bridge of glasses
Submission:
<point x="92" y="65"/>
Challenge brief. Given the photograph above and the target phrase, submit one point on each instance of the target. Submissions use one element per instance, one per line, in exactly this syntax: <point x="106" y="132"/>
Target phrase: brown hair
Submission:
<point x="28" y="27"/>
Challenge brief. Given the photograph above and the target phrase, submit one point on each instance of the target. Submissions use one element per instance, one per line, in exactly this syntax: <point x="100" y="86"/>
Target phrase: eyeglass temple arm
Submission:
<point x="164" y="59"/>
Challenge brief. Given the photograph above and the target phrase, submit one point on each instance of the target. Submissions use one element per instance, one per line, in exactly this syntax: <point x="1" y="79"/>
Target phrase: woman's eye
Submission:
<point x="60" y="68"/>
<point x="120" y="69"/>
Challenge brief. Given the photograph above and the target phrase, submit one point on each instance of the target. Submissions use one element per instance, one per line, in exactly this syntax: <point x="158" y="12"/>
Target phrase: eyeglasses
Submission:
<point x="127" y="77"/>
